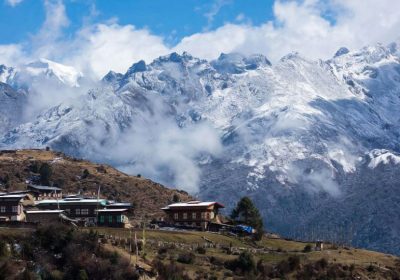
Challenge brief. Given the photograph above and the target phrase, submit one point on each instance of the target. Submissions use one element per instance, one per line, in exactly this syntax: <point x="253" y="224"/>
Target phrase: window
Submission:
<point x="208" y="215"/>
<point x="194" y="215"/>
<point x="85" y="212"/>
<point x="15" y="209"/>
<point x="119" y="219"/>
<point x="176" y="216"/>
<point x="77" y="211"/>
<point x="184" y="216"/>
<point x="101" y="219"/>
<point x="203" y="215"/>
<point x="110" y="219"/>
<point x="2" y="209"/>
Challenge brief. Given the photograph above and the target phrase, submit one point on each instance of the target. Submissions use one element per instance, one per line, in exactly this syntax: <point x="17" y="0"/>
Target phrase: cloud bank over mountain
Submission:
<point x="312" y="27"/>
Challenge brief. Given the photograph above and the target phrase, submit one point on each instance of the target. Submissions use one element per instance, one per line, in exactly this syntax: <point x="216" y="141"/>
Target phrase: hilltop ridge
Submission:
<point x="19" y="167"/>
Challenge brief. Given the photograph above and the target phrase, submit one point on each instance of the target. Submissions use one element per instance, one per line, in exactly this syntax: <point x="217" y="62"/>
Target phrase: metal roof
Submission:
<point x="77" y="201"/>
<point x="13" y="196"/>
<point x="43" y="211"/>
<point x="192" y="204"/>
<point x="127" y="204"/>
<point x="44" y="188"/>
<point x="112" y="210"/>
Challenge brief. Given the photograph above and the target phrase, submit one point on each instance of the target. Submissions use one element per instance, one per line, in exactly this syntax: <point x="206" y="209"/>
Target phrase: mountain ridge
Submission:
<point x="297" y="136"/>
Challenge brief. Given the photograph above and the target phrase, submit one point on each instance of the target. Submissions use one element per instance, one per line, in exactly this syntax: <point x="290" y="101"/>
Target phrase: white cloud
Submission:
<point x="302" y="27"/>
<point x="46" y="42"/>
<point x="240" y="17"/>
<point x="104" y="47"/>
<point x="297" y="26"/>
<point x="11" y="54"/>
<point x="13" y="3"/>
<point x="216" y="7"/>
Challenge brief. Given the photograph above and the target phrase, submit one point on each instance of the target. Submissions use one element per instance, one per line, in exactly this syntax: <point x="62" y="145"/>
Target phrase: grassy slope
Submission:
<point x="147" y="196"/>
<point x="279" y="249"/>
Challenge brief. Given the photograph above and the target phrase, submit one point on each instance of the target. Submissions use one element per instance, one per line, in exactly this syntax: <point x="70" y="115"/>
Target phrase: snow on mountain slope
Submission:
<point x="300" y="137"/>
<point x="11" y="106"/>
<point x="44" y="69"/>
<point x="46" y="84"/>
<point x="382" y="157"/>
<point x="6" y="74"/>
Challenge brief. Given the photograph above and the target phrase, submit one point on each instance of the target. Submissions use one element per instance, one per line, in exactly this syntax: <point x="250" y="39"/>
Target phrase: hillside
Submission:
<point x="182" y="255"/>
<point x="16" y="167"/>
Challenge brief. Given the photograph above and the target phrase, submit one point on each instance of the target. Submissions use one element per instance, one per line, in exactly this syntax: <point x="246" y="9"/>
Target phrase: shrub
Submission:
<point x="187" y="258"/>
<point x="83" y="275"/>
<point x="283" y="267"/>
<point x="201" y="250"/>
<point x="85" y="174"/>
<point x="162" y="251"/>
<point x="34" y="167"/>
<point x="245" y="263"/>
<point x="56" y="275"/>
<point x="371" y="268"/>
<point x="307" y="248"/>
<point x="169" y="271"/>
<point x="176" y="198"/>
<point x="216" y="261"/>
<point x="7" y="270"/>
<point x="45" y="173"/>
<point x="294" y="262"/>
<point x="266" y="270"/>
<point x="3" y="248"/>
<point x="321" y="264"/>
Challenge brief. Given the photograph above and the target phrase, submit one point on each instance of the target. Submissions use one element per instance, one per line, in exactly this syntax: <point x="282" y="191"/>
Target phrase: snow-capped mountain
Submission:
<point x="43" y="84"/>
<point x="46" y="70"/>
<point x="314" y="143"/>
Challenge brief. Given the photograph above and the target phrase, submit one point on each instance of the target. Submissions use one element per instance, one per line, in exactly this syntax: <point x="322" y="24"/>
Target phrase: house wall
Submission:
<point x="112" y="220"/>
<point x="82" y="211"/>
<point x="42" y="218"/>
<point x="12" y="209"/>
<point x="193" y="217"/>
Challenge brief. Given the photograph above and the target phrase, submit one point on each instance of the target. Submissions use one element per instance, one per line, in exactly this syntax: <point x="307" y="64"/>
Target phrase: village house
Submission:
<point x="43" y="216"/>
<point x="87" y="209"/>
<point x="194" y="214"/>
<point x="77" y="208"/>
<point x="45" y="192"/>
<point x="112" y="218"/>
<point x="12" y="206"/>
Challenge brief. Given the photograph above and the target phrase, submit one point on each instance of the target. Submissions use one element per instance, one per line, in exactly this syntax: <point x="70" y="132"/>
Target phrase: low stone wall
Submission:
<point x="125" y="243"/>
<point x="16" y="224"/>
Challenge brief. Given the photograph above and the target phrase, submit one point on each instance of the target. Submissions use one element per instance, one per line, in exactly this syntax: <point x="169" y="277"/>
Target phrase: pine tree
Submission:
<point x="45" y="173"/>
<point x="246" y="212"/>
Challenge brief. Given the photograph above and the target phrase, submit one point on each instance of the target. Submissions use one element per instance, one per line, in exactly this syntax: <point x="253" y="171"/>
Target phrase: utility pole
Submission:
<point x="137" y="250"/>
<point x="144" y="234"/>
<point x="130" y="245"/>
<point x="97" y="212"/>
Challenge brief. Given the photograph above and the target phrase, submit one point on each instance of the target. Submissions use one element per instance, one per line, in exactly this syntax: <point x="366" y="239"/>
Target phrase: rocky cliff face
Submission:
<point x="314" y="143"/>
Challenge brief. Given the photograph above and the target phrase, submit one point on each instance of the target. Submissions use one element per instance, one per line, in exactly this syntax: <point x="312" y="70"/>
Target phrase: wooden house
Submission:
<point x="194" y="214"/>
<point x="77" y="208"/>
<point x="112" y="218"/>
<point x="44" y="192"/>
<point x="43" y="216"/>
<point x="12" y="206"/>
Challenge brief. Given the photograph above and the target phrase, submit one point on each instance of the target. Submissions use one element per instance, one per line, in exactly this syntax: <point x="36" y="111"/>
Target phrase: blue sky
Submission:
<point x="96" y="36"/>
<point x="172" y="19"/>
